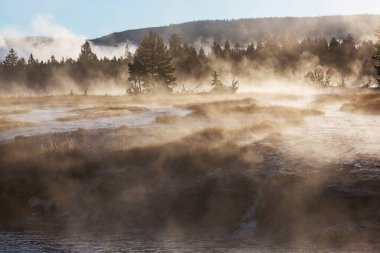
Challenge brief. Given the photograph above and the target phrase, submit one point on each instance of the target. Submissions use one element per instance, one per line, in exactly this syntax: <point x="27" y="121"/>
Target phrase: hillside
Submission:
<point x="247" y="30"/>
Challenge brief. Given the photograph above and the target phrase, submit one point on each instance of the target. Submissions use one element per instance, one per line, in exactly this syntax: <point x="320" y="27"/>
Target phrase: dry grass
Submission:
<point x="6" y="111"/>
<point x="326" y="99"/>
<point x="363" y="104"/>
<point x="58" y="146"/>
<point x="248" y="107"/>
<point x="7" y="124"/>
<point x="167" y="119"/>
<point x="101" y="112"/>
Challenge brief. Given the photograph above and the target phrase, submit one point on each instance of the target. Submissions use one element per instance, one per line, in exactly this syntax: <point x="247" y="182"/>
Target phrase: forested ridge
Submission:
<point x="244" y="31"/>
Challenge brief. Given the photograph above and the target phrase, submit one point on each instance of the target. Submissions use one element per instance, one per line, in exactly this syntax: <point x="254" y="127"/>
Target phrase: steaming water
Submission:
<point x="342" y="135"/>
<point x="33" y="242"/>
<point x="39" y="242"/>
<point x="45" y="121"/>
<point x="334" y="137"/>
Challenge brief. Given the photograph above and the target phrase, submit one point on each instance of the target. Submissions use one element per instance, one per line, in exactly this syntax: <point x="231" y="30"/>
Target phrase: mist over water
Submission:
<point x="226" y="174"/>
<point x="105" y="156"/>
<point x="47" y="120"/>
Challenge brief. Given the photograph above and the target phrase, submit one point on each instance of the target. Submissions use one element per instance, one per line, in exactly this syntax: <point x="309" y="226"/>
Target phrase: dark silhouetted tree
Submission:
<point x="53" y="61"/>
<point x="156" y="59"/>
<point x="86" y="55"/>
<point x="137" y="73"/>
<point x="376" y="56"/>
<point x="127" y="54"/>
<point x="202" y="53"/>
<point x="215" y="81"/>
<point x="11" y="59"/>
<point x="227" y="50"/>
<point x="32" y="61"/>
<point x="217" y="49"/>
<point x="86" y="66"/>
<point x="175" y="45"/>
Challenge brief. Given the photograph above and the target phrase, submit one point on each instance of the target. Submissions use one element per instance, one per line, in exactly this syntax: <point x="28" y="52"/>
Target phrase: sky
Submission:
<point x="95" y="18"/>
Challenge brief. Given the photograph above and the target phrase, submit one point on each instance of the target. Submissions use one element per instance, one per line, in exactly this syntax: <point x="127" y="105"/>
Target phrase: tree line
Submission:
<point x="40" y="75"/>
<point x="159" y="66"/>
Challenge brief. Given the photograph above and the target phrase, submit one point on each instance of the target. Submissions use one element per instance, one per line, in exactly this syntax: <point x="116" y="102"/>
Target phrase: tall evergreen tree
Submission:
<point x="11" y="59"/>
<point x="227" y="50"/>
<point x="349" y="47"/>
<point x="215" y="81"/>
<point x="175" y="45"/>
<point x="32" y="61"/>
<point x="86" y="66"/>
<point x="156" y="59"/>
<point x="217" y="49"/>
<point x="376" y="56"/>
<point x="137" y="73"/>
<point x="251" y="52"/>
<point x="86" y="55"/>
<point x="53" y="61"/>
<point x="202" y="53"/>
<point x="127" y="54"/>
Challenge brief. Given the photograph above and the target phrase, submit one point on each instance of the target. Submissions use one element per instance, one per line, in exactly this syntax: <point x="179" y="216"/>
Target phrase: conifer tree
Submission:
<point x="156" y="59"/>
<point x="215" y="82"/>
<point x="127" y="54"/>
<point x="216" y="49"/>
<point x="202" y="53"/>
<point x="86" y="65"/>
<point x="86" y="55"/>
<point x="376" y="56"/>
<point x="175" y="45"/>
<point x="31" y="60"/>
<point x="53" y="60"/>
<point x="11" y="59"/>
<point x="227" y="50"/>
<point x="137" y="72"/>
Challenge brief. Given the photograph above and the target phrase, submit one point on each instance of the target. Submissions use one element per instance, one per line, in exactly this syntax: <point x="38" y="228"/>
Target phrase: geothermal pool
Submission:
<point x="44" y="120"/>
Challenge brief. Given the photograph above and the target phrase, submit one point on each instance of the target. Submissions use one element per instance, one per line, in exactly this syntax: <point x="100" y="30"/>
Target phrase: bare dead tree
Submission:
<point x="320" y="77"/>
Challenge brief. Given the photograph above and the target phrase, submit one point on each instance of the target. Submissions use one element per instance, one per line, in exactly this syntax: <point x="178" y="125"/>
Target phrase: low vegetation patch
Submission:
<point x="363" y="104"/>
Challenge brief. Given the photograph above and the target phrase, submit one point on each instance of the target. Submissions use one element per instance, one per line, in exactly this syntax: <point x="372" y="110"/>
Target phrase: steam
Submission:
<point x="47" y="38"/>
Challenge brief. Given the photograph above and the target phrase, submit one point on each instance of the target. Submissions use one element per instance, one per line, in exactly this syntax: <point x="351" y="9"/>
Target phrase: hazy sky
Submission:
<point x="93" y="18"/>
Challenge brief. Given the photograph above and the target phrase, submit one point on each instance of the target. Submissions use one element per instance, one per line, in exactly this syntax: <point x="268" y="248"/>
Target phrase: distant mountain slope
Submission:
<point x="247" y="30"/>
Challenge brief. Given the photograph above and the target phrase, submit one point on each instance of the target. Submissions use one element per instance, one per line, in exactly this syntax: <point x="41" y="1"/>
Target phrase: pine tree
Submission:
<point x="31" y="60"/>
<point x="53" y="60"/>
<point x="86" y="66"/>
<point x="86" y="55"/>
<point x="175" y="45"/>
<point x="137" y="72"/>
<point x="202" y="53"/>
<point x="155" y="57"/>
<point x="11" y="59"/>
<point x="127" y="54"/>
<point x="227" y="50"/>
<point x="215" y="82"/>
<point x="217" y="49"/>
<point x="376" y="56"/>
<point x="250" y="52"/>
<point x="348" y="52"/>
